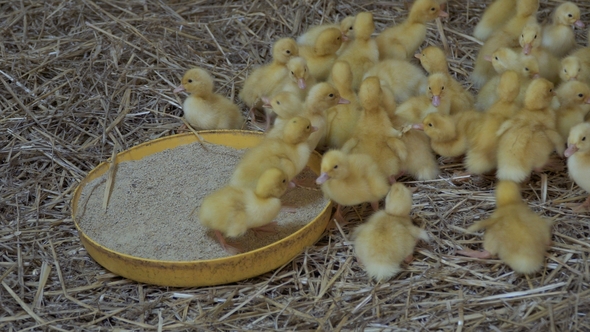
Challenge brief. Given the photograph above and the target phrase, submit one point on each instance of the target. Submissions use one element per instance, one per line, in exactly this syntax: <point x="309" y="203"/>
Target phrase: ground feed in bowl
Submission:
<point x="152" y="210"/>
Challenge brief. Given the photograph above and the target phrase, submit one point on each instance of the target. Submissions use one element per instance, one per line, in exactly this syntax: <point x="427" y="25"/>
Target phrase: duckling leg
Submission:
<point x="409" y="259"/>
<point x="268" y="228"/>
<point x="583" y="207"/>
<point x="339" y="217"/>
<point x="476" y="254"/>
<point x="233" y="250"/>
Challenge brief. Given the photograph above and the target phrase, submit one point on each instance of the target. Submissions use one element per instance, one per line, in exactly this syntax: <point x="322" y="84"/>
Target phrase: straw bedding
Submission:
<point x="80" y="78"/>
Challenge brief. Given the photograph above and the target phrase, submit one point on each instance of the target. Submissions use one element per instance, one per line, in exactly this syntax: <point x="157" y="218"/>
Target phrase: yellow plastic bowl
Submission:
<point x="203" y="272"/>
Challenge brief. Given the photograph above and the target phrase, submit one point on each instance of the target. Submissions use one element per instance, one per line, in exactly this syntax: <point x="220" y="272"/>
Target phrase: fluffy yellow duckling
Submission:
<point x="436" y="99"/>
<point x="450" y="134"/>
<point x="389" y="236"/>
<point x="342" y="118"/>
<point x="401" y="41"/>
<point x="433" y="60"/>
<point x="559" y="37"/>
<point x="530" y="41"/>
<point x="514" y="232"/>
<point x="574" y="99"/>
<point x="374" y="134"/>
<point x="321" y="97"/>
<point x="288" y="153"/>
<point x="504" y="59"/>
<point x="493" y="18"/>
<point x="576" y="67"/>
<point x="527" y="140"/>
<point x="481" y="155"/>
<point x="286" y="105"/>
<point x="403" y="78"/>
<point x="321" y="56"/>
<point x="204" y="109"/>
<point x="362" y="53"/>
<point x="506" y="37"/>
<point x="578" y="159"/>
<point x="232" y="210"/>
<point x="351" y="179"/>
<point x="266" y="81"/>
<point x="299" y="79"/>
<point x="310" y="37"/>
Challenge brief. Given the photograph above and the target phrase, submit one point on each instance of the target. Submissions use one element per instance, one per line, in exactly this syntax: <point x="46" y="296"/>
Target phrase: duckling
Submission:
<point x="310" y="37"/>
<point x="450" y="135"/>
<point x="435" y="100"/>
<point x="578" y="159"/>
<point x="389" y="236"/>
<point x="321" y="97"/>
<point x="506" y="37"/>
<point x="481" y="155"/>
<point x="433" y="60"/>
<point x="559" y="37"/>
<point x="267" y="80"/>
<point x="362" y="53"/>
<point x="351" y="179"/>
<point x="232" y="210"/>
<point x="321" y="56"/>
<point x="527" y="140"/>
<point x="574" y="97"/>
<point x="514" y="232"/>
<point x="493" y="18"/>
<point x="403" y="78"/>
<point x="504" y="59"/>
<point x="300" y="81"/>
<point x="342" y="118"/>
<point x="288" y="153"/>
<point x="530" y="41"/>
<point x="576" y="66"/>
<point x="204" y="109"/>
<point x="401" y="41"/>
<point x="374" y="134"/>
<point x="286" y="105"/>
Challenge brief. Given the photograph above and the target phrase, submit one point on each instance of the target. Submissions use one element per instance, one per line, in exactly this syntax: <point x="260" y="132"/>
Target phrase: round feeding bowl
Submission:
<point x="201" y="272"/>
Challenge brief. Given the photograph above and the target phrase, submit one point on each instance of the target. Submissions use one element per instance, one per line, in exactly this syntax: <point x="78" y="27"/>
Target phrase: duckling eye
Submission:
<point x="526" y="68"/>
<point x="284" y="180"/>
<point x="583" y="138"/>
<point x="430" y="124"/>
<point x="535" y="37"/>
<point x="443" y="88"/>
<point x="190" y="81"/>
<point x="429" y="89"/>
<point x="581" y="95"/>
<point x="432" y="9"/>
<point x="292" y="73"/>
<point x="335" y="166"/>
<point x="278" y="102"/>
<point x="496" y="58"/>
<point x="565" y="70"/>
<point x="570" y="15"/>
<point x="331" y="95"/>
<point x="550" y="90"/>
<point x="350" y="28"/>
<point x="288" y="51"/>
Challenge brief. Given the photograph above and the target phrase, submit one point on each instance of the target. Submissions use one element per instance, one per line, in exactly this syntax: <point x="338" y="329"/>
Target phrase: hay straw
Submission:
<point x="79" y="78"/>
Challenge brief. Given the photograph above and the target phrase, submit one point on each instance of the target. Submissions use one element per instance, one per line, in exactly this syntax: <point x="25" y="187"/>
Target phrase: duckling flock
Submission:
<point x="338" y="89"/>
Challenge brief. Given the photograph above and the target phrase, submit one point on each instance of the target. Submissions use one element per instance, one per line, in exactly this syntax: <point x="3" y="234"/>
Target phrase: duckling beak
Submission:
<point x="314" y="129"/>
<point x="301" y="83"/>
<point x="266" y="102"/>
<point x="588" y="101"/>
<point x="418" y="56"/>
<point x="418" y="126"/>
<point x="291" y="185"/>
<point x="345" y="38"/>
<point x="443" y="14"/>
<point x="571" y="149"/>
<point x="536" y="75"/>
<point x="487" y="58"/>
<point x="179" y="89"/>
<point x="526" y="49"/>
<point x="579" y="24"/>
<point x="436" y="100"/>
<point x="343" y="101"/>
<point x="322" y="178"/>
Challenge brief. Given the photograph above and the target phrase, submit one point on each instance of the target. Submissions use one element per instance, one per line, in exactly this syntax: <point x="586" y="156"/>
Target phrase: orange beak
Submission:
<point x="179" y="89"/>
